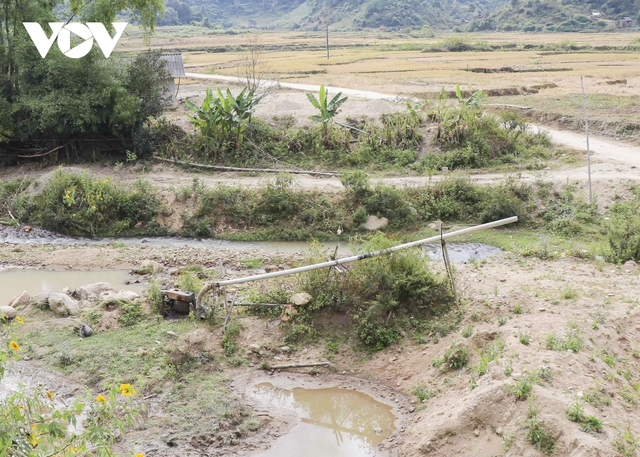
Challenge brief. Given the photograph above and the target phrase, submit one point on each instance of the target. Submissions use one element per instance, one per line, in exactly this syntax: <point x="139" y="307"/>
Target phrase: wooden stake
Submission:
<point x="447" y="264"/>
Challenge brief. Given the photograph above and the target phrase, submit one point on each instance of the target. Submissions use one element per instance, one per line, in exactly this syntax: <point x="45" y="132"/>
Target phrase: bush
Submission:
<point x="78" y="204"/>
<point x="379" y="292"/>
<point x="132" y="314"/>
<point x="623" y="230"/>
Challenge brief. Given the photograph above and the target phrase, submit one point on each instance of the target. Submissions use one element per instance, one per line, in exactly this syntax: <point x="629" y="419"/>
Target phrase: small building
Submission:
<point x="596" y="14"/>
<point x="625" y="22"/>
<point x="175" y="66"/>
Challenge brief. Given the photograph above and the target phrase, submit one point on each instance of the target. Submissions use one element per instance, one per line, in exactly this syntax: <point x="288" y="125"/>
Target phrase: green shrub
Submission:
<point x="455" y="357"/>
<point x="132" y="314"/>
<point x="537" y="433"/>
<point x="81" y="205"/>
<point x="623" y="230"/>
<point x="422" y="393"/>
<point x="230" y="337"/>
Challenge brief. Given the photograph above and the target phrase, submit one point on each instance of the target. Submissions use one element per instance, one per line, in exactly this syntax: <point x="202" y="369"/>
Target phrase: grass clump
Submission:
<point x="488" y="355"/>
<point x="230" y="338"/>
<point x="537" y="433"/>
<point x="623" y="229"/>
<point x="422" y="393"/>
<point x="455" y="357"/>
<point x="132" y="314"/>
<point x="524" y="338"/>
<point x="523" y="387"/>
<point x="626" y="443"/>
<point x="571" y="341"/>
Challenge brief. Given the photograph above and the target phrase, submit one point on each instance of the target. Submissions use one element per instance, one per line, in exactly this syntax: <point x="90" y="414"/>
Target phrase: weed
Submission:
<point x="467" y="331"/>
<point x="524" y="338"/>
<point x="230" y="337"/>
<point x="626" y="443"/>
<point x="437" y="362"/>
<point x="517" y="309"/>
<point x="592" y="423"/>
<point x="132" y="314"/>
<point x="537" y="434"/>
<point x="488" y="355"/>
<point x="572" y="340"/>
<point x="189" y="281"/>
<point x="331" y="349"/>
<point x="502" y="320"/>
<point x="597" y="398"/>
<point x="251" y="263"/>
<point x="153" y="296"/>
<point x="422" y="393"/>
<point x="523" y="387"/>
<point x="455" y="357"/>
<point x="508" y="368"/>
<point x="575" y="412"/>
<point x="568" y="294"/>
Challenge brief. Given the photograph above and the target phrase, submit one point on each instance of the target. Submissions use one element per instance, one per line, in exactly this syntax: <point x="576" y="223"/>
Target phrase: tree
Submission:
<point x="69" y="97"/>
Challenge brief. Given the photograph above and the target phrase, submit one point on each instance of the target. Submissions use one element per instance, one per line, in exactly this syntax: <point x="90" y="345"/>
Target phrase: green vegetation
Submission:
<point x="623" y="229"/>
<point x="230" y="337"/>
<point x="132" y="314"/>
<point x="536" y="432"/>
<point x="575" y="413"/>
<point x="422" y="393"/>
<point x="379" y="294"/>
<point x="524" y="338"/>
<point x="572" y="340"/>
<point x="327" y="108"/>
<point x="455" y="357"/>
<point x="523" y="387"/>
<point x="626" y="443"/>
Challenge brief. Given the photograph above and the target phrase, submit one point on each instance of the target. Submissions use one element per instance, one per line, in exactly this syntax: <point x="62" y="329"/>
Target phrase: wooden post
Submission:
<point x="326" y="22"/>
<point x="586" y="124"/>
<point x="447" y="264"/>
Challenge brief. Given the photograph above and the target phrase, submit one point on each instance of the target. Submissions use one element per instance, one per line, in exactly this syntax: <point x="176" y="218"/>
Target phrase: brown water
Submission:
<point x="14" y="281"/>
<point x="334" y="422"/>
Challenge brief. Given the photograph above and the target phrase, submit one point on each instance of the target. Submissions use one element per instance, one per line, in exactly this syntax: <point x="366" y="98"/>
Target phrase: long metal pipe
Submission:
<point x="354" y="258"/>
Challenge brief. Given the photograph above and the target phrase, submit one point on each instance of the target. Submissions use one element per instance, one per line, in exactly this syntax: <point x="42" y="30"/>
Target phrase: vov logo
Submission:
<point x="62" y="31"/>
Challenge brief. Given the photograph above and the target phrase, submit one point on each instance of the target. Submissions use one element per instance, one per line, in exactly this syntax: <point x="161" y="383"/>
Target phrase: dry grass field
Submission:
<point x="548" y="80"/>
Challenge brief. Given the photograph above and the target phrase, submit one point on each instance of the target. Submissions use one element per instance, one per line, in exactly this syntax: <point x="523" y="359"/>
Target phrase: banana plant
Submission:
<point x="226" y="112"/>
<point x="328" y="108"/>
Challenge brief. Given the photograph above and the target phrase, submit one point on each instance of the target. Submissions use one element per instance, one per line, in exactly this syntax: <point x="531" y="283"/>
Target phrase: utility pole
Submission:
<point x="326" y="23"/>
<point x="586" y="123"/>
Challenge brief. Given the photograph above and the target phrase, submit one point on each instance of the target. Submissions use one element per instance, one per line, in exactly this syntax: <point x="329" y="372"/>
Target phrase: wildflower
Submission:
<point x="127" y="390"/>
<point x="19" y="320"/>
<point x="139" y="454"/>
<point x="100" y="398"/>
<point x="15" y="346"/>
<point x="94" y="206"/>
<point x="50" y="395"/>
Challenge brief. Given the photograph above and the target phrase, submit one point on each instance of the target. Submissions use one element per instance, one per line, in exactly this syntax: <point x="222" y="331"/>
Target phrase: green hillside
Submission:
<point x="559" y="16"/>
<point x="471" y="15"/>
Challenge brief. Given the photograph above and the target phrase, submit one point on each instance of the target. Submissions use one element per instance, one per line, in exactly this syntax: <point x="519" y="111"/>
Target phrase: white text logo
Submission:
<point x="88" y="32"/>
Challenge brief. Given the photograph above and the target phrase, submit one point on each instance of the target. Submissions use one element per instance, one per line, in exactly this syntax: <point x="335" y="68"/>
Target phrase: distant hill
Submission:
<point x="471" y="15"/>
<point x="560" y="16"/>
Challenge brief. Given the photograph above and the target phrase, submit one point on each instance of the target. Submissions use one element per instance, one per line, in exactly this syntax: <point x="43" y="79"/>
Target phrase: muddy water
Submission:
<point x="14" y="281"/>
<point x="333" y="422"/>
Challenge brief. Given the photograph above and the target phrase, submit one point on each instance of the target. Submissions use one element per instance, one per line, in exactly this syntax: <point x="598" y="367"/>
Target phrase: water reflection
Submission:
<point x="334" y="422"/>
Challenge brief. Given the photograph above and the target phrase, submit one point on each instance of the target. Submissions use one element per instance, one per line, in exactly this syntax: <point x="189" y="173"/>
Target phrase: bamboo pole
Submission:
<point x="299" y="365"/>
<point x="332" y="263"/>
<point x="253" y="170"/>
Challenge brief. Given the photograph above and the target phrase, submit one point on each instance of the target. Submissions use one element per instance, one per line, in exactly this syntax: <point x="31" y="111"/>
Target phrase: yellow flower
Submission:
<point x="139" y="454"/>
<point x="49" y="394"/>
<point x="127" y="390"/>
<point x="101" y="399"/>
<point x="15" y="346"/>
<point x="94" y="206"/>
<point x="19" y="320"/>
<point x="105" y="181"/>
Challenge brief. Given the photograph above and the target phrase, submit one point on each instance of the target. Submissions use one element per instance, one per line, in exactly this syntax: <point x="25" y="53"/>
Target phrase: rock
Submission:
<point x="125" y="295"/>
<point x="42" y="299"/>
<point x="300" y="299"/>
<point x="630" y="265"/>
<point x="7" y="312"/>
<point x="476" y="432"/>
<point x="86" y="331"/>
<point x="173" y="334"/>
<point x="285" y="349"/>
<point x="20" y="300"/>
<point x="254" y="347"/>
<point x="63" y="305"/>
<point x="93" y="291"/>
<point x="149" y="266"/>
<point x="271" y="268"/>
<point x="375" y="223"/>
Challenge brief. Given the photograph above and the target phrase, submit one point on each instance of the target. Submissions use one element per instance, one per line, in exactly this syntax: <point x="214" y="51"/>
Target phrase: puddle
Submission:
<point x="333" y="422"/>
<point x="14" y="281"/>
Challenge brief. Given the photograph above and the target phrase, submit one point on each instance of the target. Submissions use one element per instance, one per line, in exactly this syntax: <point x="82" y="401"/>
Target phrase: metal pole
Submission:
<point x="354" y="258"/>
<point x="586" y="124"/>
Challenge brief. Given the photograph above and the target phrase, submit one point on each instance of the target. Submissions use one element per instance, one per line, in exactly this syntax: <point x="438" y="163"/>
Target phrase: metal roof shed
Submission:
<point x="175" y="66"/>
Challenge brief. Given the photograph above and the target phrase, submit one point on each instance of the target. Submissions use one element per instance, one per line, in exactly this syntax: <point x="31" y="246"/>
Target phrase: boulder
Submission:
<point x="125" y="295"/>
<point x="42" y="299"/>
<point x="7" y="312"/>
<point x="375" y="223"/>
<point x="63" y="305"/>
<point x="149" y="266"/>
<point x="20" y="300"/>
<point x="301" y="299"/>
<point x="93" y="291"/>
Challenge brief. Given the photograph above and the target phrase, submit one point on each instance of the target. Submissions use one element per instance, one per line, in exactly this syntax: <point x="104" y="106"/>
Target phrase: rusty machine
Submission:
<point x="178" y="301"/>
